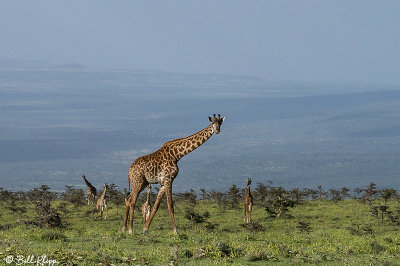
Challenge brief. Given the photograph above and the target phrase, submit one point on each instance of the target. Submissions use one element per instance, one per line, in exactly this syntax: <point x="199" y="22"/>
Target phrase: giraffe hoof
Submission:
<point x="123" y="229"/>
<point x="145" y="230"/>
<point x="130" y="232"/>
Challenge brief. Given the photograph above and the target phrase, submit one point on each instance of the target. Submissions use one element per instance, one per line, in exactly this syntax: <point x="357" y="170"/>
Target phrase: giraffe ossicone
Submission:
<point x="162" y="167"/>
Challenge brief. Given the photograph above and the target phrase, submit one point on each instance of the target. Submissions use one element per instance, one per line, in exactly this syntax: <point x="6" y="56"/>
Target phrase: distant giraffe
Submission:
<point x="162" y="167"/>
<point x="248" y="203"/>
<point x="146" y="208"/>
<point x="101" y="205"/>
<point x="91" y="191"/>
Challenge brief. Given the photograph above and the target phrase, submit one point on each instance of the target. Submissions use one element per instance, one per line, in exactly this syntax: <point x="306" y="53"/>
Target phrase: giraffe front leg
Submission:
<point x="125" y="218"/>
<point x="171" y="208"/>
<point x="250" y="210"/>
<point x="155" y="208"/>
<point x="245" y="213"/>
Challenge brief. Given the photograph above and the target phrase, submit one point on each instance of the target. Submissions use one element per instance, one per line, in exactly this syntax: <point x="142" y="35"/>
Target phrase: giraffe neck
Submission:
<point x="103" y="194"/>
<point x="87" y="182"/>
<point x="181" y="147"/>
<point x="248" y="190"/>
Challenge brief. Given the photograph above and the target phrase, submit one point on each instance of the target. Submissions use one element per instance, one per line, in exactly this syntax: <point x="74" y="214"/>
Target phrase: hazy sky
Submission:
<point x="319" y="41"/>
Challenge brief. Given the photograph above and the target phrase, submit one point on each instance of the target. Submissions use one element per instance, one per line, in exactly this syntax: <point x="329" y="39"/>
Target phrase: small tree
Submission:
<point x="296" y="195"/>
<point x="219" y="198"/>
<point x="370" y="193"/>
<point x="279" y="203"/>
<point x="233" y="196"/>
<point x="387" y="194"/>
<point x="345" y="192"/>
<point x="336" y="195"/>
<point x="6" y="195"/>
<point x="260" y="192"/>
<point x="322" y="194"/>
<point x="73" y="195"/>
<point x="114" y="195"/>
<point x="47" y="216"/>
<point x="204" y="194"/>
<point x="41" y="194"/>
<point x="358" y="192"/>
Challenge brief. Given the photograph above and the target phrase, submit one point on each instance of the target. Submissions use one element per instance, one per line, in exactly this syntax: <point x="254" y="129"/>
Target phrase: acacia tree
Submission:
<point x="73" y="195"/>
<point x="345" y="192"/>
<point x="204" y="194"/>
<point x="279" y="202"/>
<point x="296" y="195"/>
<point x="322" y="194"/>
<point x="370" y="193"/>
<point x="233" y="196"/>
<point x="41" y="194"/>
<point x="219" y="198"/>
<point x="358" y="192"/>
<point x="114" y="195"/>
<point x="260" y="193"/>
<point x="387" y="194"/>
<point x="336" y="195"/>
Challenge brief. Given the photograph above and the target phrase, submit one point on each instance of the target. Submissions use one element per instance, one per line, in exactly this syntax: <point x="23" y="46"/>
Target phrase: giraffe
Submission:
<point x="248" y="203"/>
<point x="146" y="208"/>
<point x="90" y="190"/>
<point x="101" y="205"/>
<point x="162" y="167"/>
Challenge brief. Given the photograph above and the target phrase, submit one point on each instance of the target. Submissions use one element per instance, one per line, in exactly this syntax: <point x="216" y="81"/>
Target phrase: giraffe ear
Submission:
<point x="209" y="118"/>
<point x="223" y="119"/>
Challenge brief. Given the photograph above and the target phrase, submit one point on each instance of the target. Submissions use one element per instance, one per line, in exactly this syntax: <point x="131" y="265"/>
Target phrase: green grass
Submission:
<point x="86" y="240"/>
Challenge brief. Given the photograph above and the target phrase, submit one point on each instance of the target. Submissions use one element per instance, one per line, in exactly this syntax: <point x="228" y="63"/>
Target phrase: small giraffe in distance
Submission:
<point x="146" y="208"/>
<point x="91" y="191"/>
<point x="101" y="205"/>
<point x="162" y="167"/>
<point x="248" y="203"/>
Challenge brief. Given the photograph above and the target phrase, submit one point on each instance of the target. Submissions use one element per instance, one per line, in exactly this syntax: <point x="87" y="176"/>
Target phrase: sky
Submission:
<point x="308" y="41"/>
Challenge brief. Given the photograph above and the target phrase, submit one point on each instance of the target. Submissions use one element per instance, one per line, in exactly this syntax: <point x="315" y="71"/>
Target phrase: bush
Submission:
<point x="260" y="255"/>
<point x="52" y="235"/>
<point x="253" y="226"/>
<point x="47" y="216"/>
<point x="73" y="195"/>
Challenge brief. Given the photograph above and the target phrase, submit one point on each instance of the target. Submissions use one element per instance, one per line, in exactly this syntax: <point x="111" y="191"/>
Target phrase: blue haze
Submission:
<point x="310" y="90"/>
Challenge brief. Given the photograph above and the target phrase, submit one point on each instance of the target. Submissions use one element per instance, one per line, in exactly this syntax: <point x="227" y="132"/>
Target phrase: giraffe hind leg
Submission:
<point x="155" y="208"/>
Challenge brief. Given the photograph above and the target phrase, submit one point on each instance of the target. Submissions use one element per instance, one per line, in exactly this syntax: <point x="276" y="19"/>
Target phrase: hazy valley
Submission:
<point x="59" y="122"/>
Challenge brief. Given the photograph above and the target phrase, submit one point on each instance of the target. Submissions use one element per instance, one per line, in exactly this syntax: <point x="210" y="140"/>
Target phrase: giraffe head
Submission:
<point x="248" y="181"/>
<point x="216" y="123"/>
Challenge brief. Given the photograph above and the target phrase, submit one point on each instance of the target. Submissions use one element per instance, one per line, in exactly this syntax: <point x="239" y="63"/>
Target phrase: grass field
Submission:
<point x="342" y="233"/>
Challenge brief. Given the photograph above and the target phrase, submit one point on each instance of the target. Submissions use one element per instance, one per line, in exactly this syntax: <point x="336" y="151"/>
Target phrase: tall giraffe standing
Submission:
<point x="146" y="208"/>
<point x="248" y="203"/>
<point x="162" y="167"/>
<point x="90" y="190"/>
<point x="101" y="205"/>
